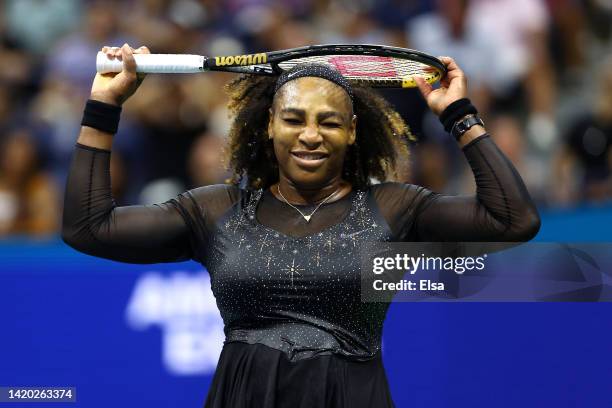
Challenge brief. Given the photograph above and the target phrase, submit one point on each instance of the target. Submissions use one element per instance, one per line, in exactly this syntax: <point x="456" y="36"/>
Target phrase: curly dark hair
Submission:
<point x="381" y="135"/>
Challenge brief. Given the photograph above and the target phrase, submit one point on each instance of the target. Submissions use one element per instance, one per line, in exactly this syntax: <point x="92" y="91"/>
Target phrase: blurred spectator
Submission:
<point x="171" y="115"/>
<point x="430" y="167"/>
<point x="5" y="111"/>
<point x="28" y="196"/>
<point x="502" y="47"/>
<point x="584" y="163"/>
<point x="599" y="14"/>
<point x="16" y="68"/>
<point x="37" y="24"/>
<point x="288" y="34"/>
<point x="351" y="25"/>
<point x="72" y="59"/>
<point x="206" y="161"/>
<point x="395" y="13"/>
<point x="567" y="34"/>
<point x="17" y="76"/>
<point x="56" y="111"/>
<point x="168" y="26"/>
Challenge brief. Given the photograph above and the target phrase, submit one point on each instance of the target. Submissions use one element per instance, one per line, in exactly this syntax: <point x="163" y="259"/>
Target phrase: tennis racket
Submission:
<point x="371" y="65"/>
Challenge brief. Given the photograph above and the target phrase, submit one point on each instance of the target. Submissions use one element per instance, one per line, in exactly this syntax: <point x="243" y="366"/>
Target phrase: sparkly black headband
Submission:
<point x="314" y="70"/>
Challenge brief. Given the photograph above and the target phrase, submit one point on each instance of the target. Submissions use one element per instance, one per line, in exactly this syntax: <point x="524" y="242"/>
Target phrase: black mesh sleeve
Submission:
<point x="93" y="224"/>
<point x="501" y="211"/>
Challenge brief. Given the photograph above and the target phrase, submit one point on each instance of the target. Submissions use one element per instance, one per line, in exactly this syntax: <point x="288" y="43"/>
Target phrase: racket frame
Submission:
<point x="269" y="61"/>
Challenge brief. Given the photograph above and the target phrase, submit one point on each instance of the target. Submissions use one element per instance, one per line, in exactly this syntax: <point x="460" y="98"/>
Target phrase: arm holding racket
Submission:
<point x="502" y="209"/>
<point x="113" y="88"/>
<point x="92" y="223"/>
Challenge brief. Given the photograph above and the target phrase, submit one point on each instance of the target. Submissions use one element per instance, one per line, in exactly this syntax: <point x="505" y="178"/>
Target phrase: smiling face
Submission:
<point x="311" y="124"/>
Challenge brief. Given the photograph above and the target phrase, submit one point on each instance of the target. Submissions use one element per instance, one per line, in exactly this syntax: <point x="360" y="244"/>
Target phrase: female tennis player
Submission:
<point x="282" y="253"/>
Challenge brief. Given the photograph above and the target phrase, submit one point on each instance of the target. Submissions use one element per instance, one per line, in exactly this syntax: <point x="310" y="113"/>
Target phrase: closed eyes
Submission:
<point x="294" y="121"/>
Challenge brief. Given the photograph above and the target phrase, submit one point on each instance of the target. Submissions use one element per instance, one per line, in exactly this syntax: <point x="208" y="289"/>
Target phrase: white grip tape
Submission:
<point x="153" y="63"/>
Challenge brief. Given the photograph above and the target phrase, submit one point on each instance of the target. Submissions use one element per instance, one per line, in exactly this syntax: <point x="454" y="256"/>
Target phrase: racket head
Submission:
<point x="370" y="65"/>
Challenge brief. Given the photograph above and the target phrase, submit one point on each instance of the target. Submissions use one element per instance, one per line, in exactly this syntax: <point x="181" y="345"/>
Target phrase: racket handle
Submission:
<point x="154" y="63"/>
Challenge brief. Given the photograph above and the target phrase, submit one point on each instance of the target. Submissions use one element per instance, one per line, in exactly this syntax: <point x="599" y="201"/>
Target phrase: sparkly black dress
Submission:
<point x="297" y="333"/>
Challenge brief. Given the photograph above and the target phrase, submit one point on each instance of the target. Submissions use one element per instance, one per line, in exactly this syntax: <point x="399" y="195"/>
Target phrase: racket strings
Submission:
<point x="369" y="69"/>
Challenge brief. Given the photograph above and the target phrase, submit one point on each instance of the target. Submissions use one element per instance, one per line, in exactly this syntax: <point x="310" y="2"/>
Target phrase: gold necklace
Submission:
<point x="306" y="217"/>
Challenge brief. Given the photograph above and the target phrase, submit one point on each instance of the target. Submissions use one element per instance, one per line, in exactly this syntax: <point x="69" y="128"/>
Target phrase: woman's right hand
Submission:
<point x="116" y="87"/>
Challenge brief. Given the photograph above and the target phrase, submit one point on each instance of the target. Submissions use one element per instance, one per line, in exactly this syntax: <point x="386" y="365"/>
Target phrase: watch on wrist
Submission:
<point x="464" y="124"/>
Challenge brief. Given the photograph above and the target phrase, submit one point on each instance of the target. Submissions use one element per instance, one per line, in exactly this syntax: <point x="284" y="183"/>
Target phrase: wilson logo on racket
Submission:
<point x="248" y="59"/>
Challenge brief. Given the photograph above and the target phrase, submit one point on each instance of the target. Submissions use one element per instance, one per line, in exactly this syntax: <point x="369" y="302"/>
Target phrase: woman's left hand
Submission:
<point x="452" y="87"/>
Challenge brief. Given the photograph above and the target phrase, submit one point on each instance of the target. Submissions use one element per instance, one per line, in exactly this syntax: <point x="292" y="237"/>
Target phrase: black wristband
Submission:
<point x="101" y="116"/>
<point x="456" y="111"/>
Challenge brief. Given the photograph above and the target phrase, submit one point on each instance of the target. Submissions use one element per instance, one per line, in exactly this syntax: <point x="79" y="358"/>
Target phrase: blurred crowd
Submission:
<point x="540" y="72"/>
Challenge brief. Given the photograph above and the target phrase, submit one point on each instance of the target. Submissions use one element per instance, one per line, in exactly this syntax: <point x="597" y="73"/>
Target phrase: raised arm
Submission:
<point x="92" y="223"/>
<point x="502" y="209"/>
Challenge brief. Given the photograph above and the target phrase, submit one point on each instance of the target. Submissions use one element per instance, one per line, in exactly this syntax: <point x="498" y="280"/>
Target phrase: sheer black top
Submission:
<point x="289" y="285"/>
